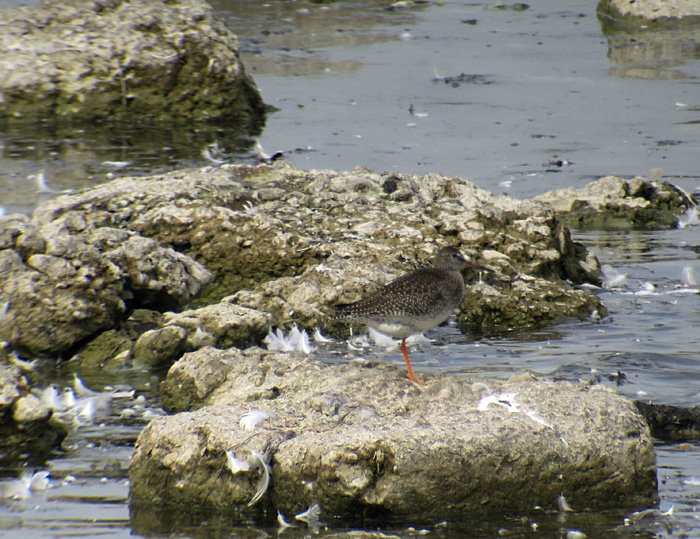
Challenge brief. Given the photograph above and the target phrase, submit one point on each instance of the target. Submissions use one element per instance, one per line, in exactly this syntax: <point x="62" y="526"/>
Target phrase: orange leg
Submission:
<point x="404" y="350"/>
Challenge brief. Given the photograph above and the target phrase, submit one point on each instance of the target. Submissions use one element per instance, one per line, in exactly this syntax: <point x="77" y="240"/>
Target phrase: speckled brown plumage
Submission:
<point x="413" y="303"/>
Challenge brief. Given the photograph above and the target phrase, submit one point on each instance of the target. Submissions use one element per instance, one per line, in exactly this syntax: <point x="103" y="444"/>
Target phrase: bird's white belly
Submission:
<point x="399" y="330"/>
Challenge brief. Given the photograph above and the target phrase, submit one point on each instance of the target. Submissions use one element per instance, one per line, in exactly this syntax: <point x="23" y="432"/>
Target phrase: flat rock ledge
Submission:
<point x="111" y="59"/>
<point x="359" y="437"/>
<point x="613" y="202"/>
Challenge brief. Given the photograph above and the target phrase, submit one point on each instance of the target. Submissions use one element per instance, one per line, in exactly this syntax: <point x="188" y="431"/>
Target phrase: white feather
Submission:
<point x="235" y="464"/>
<point x="310" y="516"/>
<point x="265" y="473"/>
<point x="252" y="418"/>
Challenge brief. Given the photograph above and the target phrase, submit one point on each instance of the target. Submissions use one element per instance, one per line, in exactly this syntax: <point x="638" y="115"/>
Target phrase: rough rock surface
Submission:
<point x="27" y="429"/>
<point x="68" y="279"/>
<point x="222" y="325"/>
<point x="646" y="12"/>
<point x="98" y="59"/>
<point x="613" y="202"/>
<point x="296" y="242"/>
<point x="671" y="423"/>
<point x="359" y="437"/>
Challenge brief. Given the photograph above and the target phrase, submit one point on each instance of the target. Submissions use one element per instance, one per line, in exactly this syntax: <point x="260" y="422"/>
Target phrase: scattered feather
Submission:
<point x="262" y="156"/>
<point x="282" y="522"/>
<point x="311" y="516"/>
<point x="687" y="276"/>
<point x="506" y="400"/>
<point x="39" y="481"/>
<point x="41" y="187"/>
<point x="235" y="464"/>
<point x="538" y="419"/>
<point x="214" y="154"/>
<point x="81" y="390"/>
<point x="382" y="340"/>
<point x="22" y="364"/>
<point x="613" y="278"/>
<point x="260" y="153"/>
<point x="645" y="289"/>
<point x="22" y="488"/>
<point x="249" y="209"/>
<point x="691" y="217"/>
<point x="80" y="405"/>
<point x="319" y="337"/>
<point x="575" y="534"/>
<point x="252" y="419"/>
<point x="505" y="184"/>
<point x="563" y="504"/>
<point x="265" y="473"/>
<point x="297" y="340"/>
<point x="116" y="164"/>
<point x="86" y="409"/>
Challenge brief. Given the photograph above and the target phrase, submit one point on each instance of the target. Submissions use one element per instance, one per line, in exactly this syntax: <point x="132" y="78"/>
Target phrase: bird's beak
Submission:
<point x="471" y="265"/>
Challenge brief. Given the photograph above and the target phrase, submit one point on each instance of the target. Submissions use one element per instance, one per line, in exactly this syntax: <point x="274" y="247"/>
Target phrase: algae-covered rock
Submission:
<point x="359" y="437"/>
<point x="285" y="245"/>
<point x="90" y="59"/>
<point x="613" y="202"/>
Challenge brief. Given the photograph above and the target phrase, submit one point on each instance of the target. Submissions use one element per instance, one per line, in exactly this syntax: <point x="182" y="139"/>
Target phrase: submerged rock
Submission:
<point x="359" y="437"/>
<point x="671" y="423"/>
<point x="613" y="202"/>
<point x="90" y="59"/>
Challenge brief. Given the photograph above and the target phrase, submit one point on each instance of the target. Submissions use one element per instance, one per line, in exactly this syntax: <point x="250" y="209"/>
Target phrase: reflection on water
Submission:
<point x="285" y="38"/>
<point x="79" y="156"/>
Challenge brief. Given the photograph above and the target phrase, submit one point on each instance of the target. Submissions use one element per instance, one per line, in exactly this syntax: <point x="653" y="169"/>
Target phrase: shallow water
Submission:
<point x="344" y="76"/>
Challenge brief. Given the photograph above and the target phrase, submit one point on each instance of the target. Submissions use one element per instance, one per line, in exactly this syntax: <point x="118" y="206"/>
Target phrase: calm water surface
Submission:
<point x="545" y="102"/>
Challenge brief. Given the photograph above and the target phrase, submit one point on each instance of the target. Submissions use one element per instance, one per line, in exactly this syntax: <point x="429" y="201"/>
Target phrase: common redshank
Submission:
<point x="413" y="303"/>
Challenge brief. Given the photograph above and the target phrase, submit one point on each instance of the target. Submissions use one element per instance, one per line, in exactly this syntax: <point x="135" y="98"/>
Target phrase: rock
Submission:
<point x="157" y="340"/>
<point x="90" y="60"/>
<point x="613" y="202"/>
<point x="222" y="325"/>
<point x="160" y="347"/>
<point x="189" y="383"/>
<point x="291" y="244"/>
<point x="358" y="437"/>
<point x="528" y="303"/>
<point x="30" y="409"/>
<point x="104" y="349"/>
<point x="75" y="279"/>
<point x="27" y="428"/>
<point x="671" y="423"/>
<point x="650" y="12"/>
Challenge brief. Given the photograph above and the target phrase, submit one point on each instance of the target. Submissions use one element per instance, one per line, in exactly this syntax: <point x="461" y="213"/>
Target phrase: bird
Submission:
<point x="413" y="303"/>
